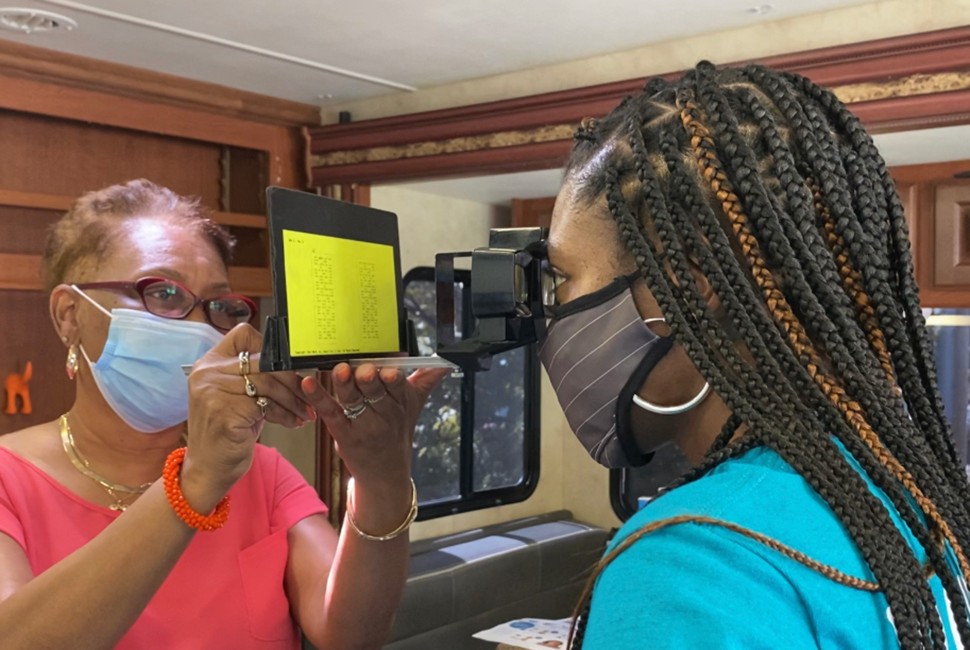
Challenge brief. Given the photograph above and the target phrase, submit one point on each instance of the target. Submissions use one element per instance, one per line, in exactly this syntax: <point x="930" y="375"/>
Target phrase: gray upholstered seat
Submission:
<point x="464" y="583"/>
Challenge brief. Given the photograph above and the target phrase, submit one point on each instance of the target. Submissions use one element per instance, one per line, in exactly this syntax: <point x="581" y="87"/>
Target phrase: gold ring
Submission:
<point x="244" y="363"/>
<point x="250" y="386"/>
<point x="263" y="403"/>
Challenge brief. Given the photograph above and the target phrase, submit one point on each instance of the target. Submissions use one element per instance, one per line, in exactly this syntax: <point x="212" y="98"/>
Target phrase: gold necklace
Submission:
<point x="83" y="466"/>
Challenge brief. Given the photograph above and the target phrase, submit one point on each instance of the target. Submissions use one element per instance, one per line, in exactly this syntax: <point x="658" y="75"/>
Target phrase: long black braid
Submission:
<point x="770" y="188"/>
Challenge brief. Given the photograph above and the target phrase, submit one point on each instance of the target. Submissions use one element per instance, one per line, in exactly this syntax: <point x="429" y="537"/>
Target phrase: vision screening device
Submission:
<point x="509" y="288"/>
<point x="337" y="286"/>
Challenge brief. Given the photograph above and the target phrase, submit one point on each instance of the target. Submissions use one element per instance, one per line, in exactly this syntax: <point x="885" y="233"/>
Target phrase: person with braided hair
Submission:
<point x="733" y="275"/>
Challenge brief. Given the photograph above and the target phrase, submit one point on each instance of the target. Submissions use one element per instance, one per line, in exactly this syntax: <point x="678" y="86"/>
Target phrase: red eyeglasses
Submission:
<point x="169" y="299"/>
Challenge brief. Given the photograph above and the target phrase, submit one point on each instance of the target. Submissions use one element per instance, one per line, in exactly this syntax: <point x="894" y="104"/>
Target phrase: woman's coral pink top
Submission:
<point x="226" y="591"/>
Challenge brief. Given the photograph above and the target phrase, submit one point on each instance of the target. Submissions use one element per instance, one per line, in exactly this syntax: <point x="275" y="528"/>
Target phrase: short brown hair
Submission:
<point x="85" y="234"/>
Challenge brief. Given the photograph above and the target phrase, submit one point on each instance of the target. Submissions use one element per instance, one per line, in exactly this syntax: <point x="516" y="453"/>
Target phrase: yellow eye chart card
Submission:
<point x="341" y="295"/>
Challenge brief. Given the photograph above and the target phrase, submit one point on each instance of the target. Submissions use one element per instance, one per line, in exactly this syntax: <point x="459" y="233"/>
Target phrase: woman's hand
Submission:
<point x="376" y="444"/>
<point x="225" y="422"/>
<point x="371" y="417"/>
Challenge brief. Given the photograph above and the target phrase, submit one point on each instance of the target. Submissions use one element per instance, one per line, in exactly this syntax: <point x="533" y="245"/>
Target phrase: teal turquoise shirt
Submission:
<point x="694" y="585"/>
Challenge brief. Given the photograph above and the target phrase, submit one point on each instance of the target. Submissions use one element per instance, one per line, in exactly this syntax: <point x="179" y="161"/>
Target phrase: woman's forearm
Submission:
<point x="367" y="578"/>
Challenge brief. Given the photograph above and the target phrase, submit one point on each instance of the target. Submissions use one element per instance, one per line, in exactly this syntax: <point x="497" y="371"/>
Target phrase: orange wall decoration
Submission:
<point x="17" y="386"/>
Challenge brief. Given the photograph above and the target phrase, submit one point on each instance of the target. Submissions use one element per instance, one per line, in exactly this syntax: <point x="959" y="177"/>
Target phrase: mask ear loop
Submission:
<point x="677" y="408"/>
<point x="106" y="313"/>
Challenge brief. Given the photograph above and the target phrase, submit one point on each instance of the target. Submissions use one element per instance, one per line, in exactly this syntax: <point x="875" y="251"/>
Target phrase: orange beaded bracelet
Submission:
<point x="173" y="490"/>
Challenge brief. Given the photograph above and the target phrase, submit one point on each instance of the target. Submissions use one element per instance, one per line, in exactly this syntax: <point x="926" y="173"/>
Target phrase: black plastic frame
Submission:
<point x="469" y="499"/>
<point x="304" y="212"/>
<point x="617" y="492"/>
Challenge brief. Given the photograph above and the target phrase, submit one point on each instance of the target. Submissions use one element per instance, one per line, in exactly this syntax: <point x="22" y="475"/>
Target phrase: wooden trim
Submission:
<point x="34" y="200"/>
<point x="239" y="219"/>
<point x="860" y="62"/>
<point x="875" y="63"/>
<point x="251" y="280"/>
<point x="47" y="98"/>
<point x="64" y="203"/>
<point x="942" y="298"/>
<point x="916" y="112"/>
<point x="895" y="56"/>
<point x="22" y="272"/>
<point x="38" y="64"/>
<point x="545" y="155"/>
<point x="913" y="174"/>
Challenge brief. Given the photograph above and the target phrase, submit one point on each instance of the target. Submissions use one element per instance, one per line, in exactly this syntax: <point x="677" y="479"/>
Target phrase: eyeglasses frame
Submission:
<point x="139" y="285"/>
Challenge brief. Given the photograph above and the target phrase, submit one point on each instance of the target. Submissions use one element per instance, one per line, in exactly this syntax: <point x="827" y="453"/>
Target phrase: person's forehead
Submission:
<point x="144" y="244"/>
<point x="576" y="222"/>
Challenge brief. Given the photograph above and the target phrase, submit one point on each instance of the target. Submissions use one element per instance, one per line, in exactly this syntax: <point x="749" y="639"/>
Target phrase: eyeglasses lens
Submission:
<point x="170" y="300"/>
<point x="167" y="299"/>
<point x="227" y="312"/>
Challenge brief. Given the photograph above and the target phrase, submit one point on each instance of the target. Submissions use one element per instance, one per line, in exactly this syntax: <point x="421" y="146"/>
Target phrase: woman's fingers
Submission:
<point x="325" y="405"/>
<point x="283" y="398"/>
<point x="345" y="387"/>
<point x="233" y="366"/>
<point x="426" y="380"/>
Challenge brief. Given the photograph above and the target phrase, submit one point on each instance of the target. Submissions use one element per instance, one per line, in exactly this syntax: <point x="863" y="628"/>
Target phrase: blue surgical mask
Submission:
<point x="139" y="372"/>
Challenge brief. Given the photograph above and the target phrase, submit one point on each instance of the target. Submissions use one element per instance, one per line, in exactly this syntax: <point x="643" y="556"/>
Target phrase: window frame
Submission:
<point x="468" y="498"/>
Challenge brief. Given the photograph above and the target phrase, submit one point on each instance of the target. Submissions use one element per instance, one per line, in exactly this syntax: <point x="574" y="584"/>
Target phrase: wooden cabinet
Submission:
<point x="67" y="133"/>
<point x="532" y="212"/>
<point x="936" y="198"/>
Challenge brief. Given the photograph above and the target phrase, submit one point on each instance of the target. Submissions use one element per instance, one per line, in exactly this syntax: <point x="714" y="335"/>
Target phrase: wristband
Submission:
<point x="185" y="512"/>
<point x="412" y="513"/>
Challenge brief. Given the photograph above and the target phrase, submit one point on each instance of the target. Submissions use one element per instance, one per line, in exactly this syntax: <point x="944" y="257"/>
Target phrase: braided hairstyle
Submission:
<point x="765" y="184"/>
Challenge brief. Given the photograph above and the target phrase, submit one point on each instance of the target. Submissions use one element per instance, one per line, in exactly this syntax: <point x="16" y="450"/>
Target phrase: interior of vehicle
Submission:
<point x="458" y="120"/>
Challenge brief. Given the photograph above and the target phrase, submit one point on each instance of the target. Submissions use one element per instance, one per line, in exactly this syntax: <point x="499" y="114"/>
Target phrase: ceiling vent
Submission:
<point x="34" y="21"/>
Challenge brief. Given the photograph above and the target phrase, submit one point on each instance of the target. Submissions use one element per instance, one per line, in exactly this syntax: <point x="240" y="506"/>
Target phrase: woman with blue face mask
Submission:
<point x="733" y="275"/>
<point x="147" y="516"/>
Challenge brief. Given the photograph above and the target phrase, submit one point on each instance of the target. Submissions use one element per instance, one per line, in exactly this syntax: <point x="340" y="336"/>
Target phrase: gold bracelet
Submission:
<point x="412" y="513"/>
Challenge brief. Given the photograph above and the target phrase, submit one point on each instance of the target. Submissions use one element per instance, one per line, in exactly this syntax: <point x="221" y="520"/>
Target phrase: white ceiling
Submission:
<point x="334" y="51"/>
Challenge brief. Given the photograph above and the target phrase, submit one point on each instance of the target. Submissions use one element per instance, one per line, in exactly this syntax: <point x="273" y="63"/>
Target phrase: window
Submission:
<point x="476" y="444"/>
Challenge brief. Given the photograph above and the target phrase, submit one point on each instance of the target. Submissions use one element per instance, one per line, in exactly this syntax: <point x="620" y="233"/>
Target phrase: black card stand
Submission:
<point x="276" y="346"/>
<point x="276" y="356"/>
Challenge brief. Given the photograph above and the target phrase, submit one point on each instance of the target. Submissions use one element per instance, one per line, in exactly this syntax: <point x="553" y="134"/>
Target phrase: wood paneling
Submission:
<point x="22" y="272"/>
<point x="28" y="335"/>
<point x="32" y="96"/>
<point x="24" y="230"/>
<point x="69" y="70"/>
<point x="64" y="157"/>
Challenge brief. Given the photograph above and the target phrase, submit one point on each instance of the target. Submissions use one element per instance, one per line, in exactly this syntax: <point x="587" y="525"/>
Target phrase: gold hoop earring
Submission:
<point x="72" y="362"/>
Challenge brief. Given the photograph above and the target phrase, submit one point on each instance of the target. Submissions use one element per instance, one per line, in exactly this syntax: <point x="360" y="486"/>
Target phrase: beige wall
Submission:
<point x="850" y="25"/>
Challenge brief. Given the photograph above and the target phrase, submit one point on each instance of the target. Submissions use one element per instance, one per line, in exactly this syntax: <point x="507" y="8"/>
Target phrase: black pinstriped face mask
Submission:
<point x="598" y="352"/>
